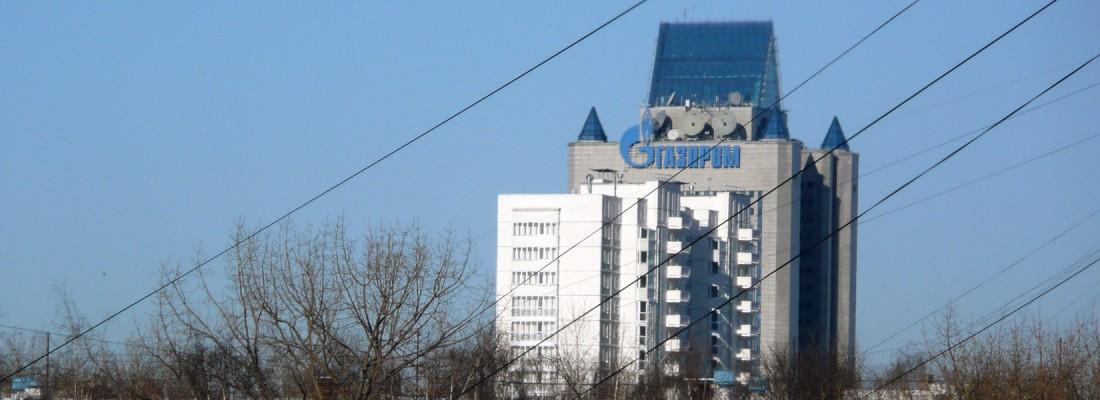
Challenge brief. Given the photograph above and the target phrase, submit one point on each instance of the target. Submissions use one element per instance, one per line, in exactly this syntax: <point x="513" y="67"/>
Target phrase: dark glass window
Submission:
<point x="706" y="62"/>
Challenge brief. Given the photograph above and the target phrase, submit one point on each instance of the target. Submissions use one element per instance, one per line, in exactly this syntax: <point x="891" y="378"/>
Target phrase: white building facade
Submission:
<point x="647" y="256"/>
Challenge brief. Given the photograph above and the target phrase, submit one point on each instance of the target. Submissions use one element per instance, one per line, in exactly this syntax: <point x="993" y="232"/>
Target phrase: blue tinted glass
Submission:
<point x="705" y="62"/>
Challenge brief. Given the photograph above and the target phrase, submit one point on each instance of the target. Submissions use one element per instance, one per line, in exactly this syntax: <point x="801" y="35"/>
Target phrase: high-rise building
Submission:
<point x="709" y="82"/>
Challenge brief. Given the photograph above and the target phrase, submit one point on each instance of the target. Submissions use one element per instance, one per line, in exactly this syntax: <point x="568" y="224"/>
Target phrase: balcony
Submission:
<point x="675" y="223"/>
<point x="674" y="246"/>
<point x="744" y="306"/>
<point x="746" y="234"/>
<point x="743" y="378"/>
<point x="745" y="258"/>
<point x="744" y="282"/>
<point x="745" y="330"/>
<point x="745" y="355"/>
<point x="675" y="321"/>
<point x="678" y="272"/>
<point x="672" y="345"/>
<point x="677" y="296"/>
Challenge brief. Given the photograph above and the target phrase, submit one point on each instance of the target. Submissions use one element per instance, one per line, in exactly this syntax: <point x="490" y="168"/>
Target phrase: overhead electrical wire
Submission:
<point x="338" y="184"/>
<point x="894" y="192"/>
<point x="661" y="184"/>
<point x="813" y="161"/>
<point x="983" y="329"/>
<point x="1018" y="261"/>
<point x="664" y="182"/>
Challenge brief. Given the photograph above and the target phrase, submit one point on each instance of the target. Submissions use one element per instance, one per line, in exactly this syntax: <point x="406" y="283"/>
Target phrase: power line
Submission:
<point x="1089" y="290"/>
<point x="758" y="199"/>
<point x="1012" y="265"/>
<point x="870" y="350"/>
<point x="969" y="182"/>
<point x="857" y="217"/>
<point x="20" y="328"/>
<point x="993" y="313"/>
<point x="985" y="328"/>
<point x="949" y="141"/>
<point x="673" y="176"/>
<point x="910" y="156"/>
<point x="340" y="183"/>
<point x="1065" y="271"/>
<point x="925" y="150"/>
<point x="972" y="181"/>
<point x="973" y="132"/>
<point x="1000" y="272"/>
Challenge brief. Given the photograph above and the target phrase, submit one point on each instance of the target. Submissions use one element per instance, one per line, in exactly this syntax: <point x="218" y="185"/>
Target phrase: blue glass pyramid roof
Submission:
<point x="592" y="130"/>
<point x="774" y="126"/>
<point x="835" y="137"/>
<point x="705" y="62"/>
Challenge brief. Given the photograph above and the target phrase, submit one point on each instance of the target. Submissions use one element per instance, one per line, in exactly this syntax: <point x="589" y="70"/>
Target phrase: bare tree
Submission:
<point x="807" y="374"/>
<point x="1024" y="359"/>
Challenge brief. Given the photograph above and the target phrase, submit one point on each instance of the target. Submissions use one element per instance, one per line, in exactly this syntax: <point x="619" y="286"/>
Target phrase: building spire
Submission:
<point x="835" y="137"/>
<point x="592" y="130"/>
<point x="775" y="126"/>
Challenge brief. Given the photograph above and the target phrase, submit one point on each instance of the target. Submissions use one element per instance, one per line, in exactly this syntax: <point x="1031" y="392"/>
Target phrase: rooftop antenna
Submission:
<point x="646" y="127"/>
<point x="615" y="176"/>
<point x="619" y="177"/>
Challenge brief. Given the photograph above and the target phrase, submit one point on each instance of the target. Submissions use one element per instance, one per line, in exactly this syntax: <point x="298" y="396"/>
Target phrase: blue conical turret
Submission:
<point x="835" y="137"/>
<point x="592" y="130"/>
<point x="775" y="126"/>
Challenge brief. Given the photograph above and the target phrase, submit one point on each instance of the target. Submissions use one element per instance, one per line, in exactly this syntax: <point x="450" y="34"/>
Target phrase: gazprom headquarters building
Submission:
<point x="709" y="82"/>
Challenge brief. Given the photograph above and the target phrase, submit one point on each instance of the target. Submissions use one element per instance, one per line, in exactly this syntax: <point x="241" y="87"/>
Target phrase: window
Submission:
<point x="643" y="257"/>
<point x="641" y="355"/>
<point x="643" y="281"/>
<point x="714" y="268"/>
<point x="641" y="310"/>
<point x="714" y="321"/>
<point x="713" y="290"/>
<point x="534" y="228"/>
<point x="645" y="233"/>
<point x="534" y="306"/>
<point x="714" y="345"/>
<point x="714" y="244"/>
<point x="534" y="278"/>
<point x="641" y="335"/>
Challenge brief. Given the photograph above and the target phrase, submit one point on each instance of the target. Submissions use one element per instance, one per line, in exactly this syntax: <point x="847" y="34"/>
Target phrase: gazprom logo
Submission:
<point x="675" y="155"/>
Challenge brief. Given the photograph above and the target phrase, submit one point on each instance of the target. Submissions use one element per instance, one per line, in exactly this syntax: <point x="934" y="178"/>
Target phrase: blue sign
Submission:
<point x="723" y="378"/>
<point x="21" y="383"/>
<point x="677" y="155"/>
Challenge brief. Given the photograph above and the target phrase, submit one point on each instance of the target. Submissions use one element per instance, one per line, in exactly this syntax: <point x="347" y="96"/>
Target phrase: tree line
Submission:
<point x="318" y="313"/>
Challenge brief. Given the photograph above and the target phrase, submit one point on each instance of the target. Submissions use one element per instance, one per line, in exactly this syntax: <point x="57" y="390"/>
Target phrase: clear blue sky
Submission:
<point x="132" y="134"/>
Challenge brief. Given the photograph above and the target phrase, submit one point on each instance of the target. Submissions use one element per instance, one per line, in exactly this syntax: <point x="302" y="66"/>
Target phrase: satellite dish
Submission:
<point x="675" y="134"/>
<point x="736" y="98"/>
<point x="659" y="120"/>
<point x="723" y="123"/>
<point x="691" y="122"/>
